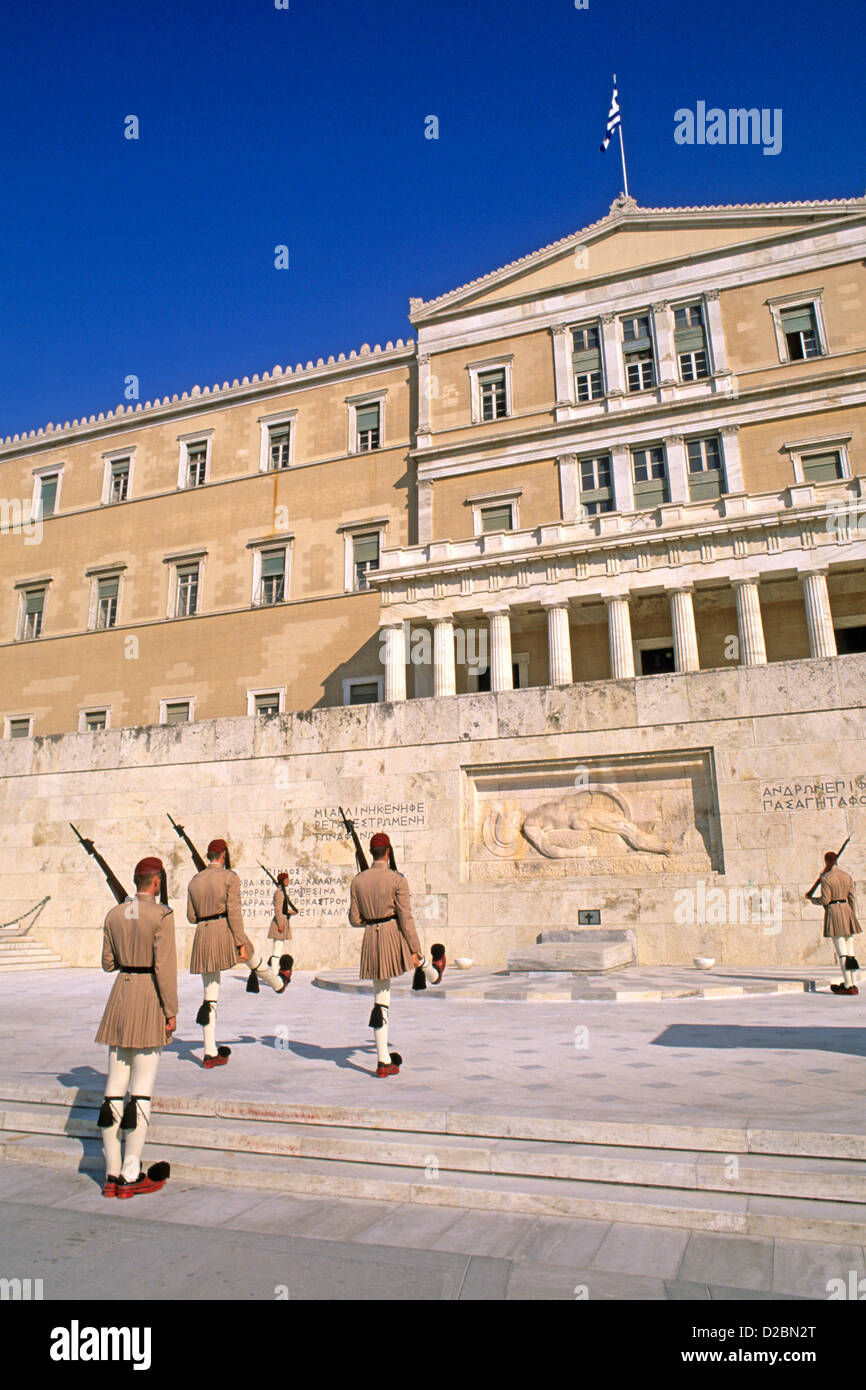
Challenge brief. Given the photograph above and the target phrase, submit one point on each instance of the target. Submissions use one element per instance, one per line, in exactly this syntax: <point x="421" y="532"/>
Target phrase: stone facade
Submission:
<point x="691" y="807"/>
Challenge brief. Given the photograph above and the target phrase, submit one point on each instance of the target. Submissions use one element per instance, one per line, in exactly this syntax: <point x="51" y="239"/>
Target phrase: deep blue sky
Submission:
<point x="306" y="127"/>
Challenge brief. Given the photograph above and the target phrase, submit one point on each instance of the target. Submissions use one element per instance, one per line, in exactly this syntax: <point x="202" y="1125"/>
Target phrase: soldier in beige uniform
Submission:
<point x="379" y="902"/>
<point x="281" y="929"/>
<point x="220" y="942"/>
<point x="139" y="1019"/>
<point x="840" y="919"/>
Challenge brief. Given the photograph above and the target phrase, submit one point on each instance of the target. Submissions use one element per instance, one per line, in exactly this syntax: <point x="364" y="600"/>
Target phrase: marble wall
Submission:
<point x="693" y="808"/>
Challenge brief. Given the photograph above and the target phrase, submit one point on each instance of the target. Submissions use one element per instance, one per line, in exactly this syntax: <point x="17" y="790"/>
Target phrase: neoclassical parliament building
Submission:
<point x="640" y="449"/>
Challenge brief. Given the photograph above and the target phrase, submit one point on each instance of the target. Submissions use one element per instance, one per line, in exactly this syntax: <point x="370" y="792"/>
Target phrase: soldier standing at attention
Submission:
<point x="379" y="902"/>
<point x="840" y="919"/>
<point x="220" y="942"/>
<point x="281" y="929"/>
<point x="139" y="1019"/>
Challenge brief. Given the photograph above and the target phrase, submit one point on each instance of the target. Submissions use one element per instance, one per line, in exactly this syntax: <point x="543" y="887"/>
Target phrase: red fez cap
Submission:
<point x="380" y="841"/>
<point x="217" y="847"/>
<point x="147" y="866"/>
<point x="283" y="877"/>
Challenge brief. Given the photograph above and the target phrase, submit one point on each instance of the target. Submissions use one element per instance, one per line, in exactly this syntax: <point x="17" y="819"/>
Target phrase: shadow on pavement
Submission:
<point x="849" y="1041"/>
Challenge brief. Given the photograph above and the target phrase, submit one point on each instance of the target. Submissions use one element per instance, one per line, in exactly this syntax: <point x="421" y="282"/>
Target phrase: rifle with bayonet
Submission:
<point x="360" y="856"/>
<point x="111" y="878"/>
<point x="196" y="857"/>
<point x="817" y="882"/>
<point x="287" y="902"/>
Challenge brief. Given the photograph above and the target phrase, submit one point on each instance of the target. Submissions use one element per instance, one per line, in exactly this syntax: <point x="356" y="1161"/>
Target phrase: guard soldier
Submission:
<point x="379" y="902"/>
<point x="139" y="1019"/>
<point x="840" y="919"/>
<point x="281" y="929"/>
<point x="220" y="942"/>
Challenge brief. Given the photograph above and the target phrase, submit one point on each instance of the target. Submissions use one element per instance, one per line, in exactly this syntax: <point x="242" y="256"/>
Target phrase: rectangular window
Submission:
<point x="367" y="426"/>
<point x="279" y="441"/>
<point x="94" y="720"/>
<point x="106" y="601"/>
<point x="118" y="487"/>
<point x="586" y="363"/>
<point x="365" y="556"/>
<point x="20" y="728"/>
<point x="32" y="609"/>
<point x="363" y="693"/>
<point x="638" y="353"/>
<point x="821" y="468"/>
<point x="273" y="583"/>
<point x="650" y="477"/>
<point x="268" y="703"/>
<point x="186" y="601"/>
<point x="497" y="518"/>
<point x="690" y="342"/>
<point x="46" y="497"/>
<point x="596" y="492"/>
<point x="196" y="464"/>
<point x="705" y="469"/>
<point x="491" y="387"/>
<point x="177" y="712"/>
<point x="801" y="332"/>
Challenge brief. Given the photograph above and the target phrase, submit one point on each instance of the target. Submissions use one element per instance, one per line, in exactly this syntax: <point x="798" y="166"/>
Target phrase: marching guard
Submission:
<point x="280" y="929"/>
<point x="220" y="942"/>
<point x="139" y="1019"/>
<point x="380" y="903"/>
<point x="840" y="918"/>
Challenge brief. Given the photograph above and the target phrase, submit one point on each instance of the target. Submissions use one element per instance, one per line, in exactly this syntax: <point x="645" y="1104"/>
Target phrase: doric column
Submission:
<point x="819" y="619"/>
<point x="663" y="325"/>
<point x="733" y="467"/>
<point x="620" y="470"/>
<point x="678" y="473"/>
<point x="685" y="633"/>
<point x="563" y="376"/>
<point x="501" y="670"/>
<point x="558" y="644"/>
<point x="395" y="662"/>
<point x="613" y="367"/>
<point x="444" y="671"/>
<point x="753" y="650"/>
<point x="619" y="633"/>
<point x="715" y="332"/>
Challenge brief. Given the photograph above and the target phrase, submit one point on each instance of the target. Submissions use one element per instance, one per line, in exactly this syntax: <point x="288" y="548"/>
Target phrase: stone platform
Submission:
<point x="632" y="985"/>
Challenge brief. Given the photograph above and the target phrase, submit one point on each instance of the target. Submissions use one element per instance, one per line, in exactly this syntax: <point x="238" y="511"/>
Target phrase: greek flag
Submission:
<point x="613" y="119"/>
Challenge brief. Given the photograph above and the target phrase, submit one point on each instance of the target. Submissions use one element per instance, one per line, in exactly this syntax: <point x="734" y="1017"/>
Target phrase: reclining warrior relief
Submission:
<point x="569" y="826"/>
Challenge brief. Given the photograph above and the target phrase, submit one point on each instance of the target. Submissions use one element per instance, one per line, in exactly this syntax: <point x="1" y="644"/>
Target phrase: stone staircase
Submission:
<point x="588" y="952"/>
<point x="757" y="1182"/>
<point x="20" y="953"/>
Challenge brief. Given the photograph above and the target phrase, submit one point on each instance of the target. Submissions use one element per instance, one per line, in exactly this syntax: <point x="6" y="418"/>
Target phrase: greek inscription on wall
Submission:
<point x="318" y="894"/>
<point x="815" y="794"/>
<point x="402" y="815"/>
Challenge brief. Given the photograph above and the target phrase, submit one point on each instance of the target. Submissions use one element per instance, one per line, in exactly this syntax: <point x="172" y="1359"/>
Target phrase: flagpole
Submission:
<point x="621" y="147"/>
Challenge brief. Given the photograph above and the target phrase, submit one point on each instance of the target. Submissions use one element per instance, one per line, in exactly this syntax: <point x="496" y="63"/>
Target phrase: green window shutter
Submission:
<point x="177" y="714"/>
<point x="108" y="588"/>
<point x="367" y="417"/>
<point x="650" y="494"/>
<point x="689" y="340"/>
<point x="496" y="519"/>
<point x="704" y="487"/>
<point x="273" y="562"/>
<point x="588" y="360"/>
<point x="366" y="548"/>
<point x="819" y="468"/>
<point x="798" y="320"/>
<point x="33" y="601"/>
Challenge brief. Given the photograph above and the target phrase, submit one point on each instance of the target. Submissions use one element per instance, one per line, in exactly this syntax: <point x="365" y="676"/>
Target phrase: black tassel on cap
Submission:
<point x="106" y="1112"/>
<point x="377" y="1017"/>
<point x="130" y="1115"/>
<point x="419" y="979"/>
<point x="203" y="1015"/>
<point x="253" y="983"/>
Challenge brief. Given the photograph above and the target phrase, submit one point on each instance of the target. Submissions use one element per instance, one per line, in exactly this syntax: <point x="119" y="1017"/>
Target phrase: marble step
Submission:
<point x="445" y="1125"/>
<point x="820" y="1179"/>
<point x="23" y="954"/>
<point x="736" y="1214"/>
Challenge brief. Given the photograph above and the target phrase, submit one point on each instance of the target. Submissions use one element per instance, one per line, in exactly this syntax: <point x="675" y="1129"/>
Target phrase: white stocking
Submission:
<point x="844" y="948"/>
<point x="431" y="974"/>
<point x="141" y="1083"/>
<point x="382" y="997"/>
<point x="115" y="1090"/>
<point x="211" y="984"/>
<point x="264" y="970"/>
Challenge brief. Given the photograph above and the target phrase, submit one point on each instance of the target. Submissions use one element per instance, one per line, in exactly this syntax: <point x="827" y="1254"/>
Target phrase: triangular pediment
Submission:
<point x="629" y="239"/>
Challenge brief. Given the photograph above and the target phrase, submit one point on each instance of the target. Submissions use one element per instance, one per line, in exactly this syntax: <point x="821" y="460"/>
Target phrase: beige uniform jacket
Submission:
<point x="837" y="900"/>
<point x="387" y="947"/>
<point x="216" y="944"/>
<point x="139" y="933"/>
<point x="280" y="928"/>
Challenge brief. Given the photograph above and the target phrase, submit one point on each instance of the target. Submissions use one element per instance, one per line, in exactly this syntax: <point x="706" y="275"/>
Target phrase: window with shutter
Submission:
<point x="365" y="556"/>
<point x="596" y="493"/>
<point x="94" y="720"/>
<point x="106" y="601"/>
<point x="33" y="606"/>
<point x="497" y="518"/>
<point x="491" y="386"/>
<point x="367" y="426"/>
<point x="196" y="465"/>
<point x="638" y="353"/>
<point x="279" y="440"/>
<point x="586" y="363"/>
<point x="47" y="500"/>
<point x="273" y="583"/>
<point x="705" y="469"/>
<point x="820" y="468"/>
<point x="690" y="342"/>
<point x="649" y="472"/>
<point x="187" y="591"/>
<point x="119" y="485"/>
<point x="364" y="693"/>
<point x="801" y="332"/>
<point x="19" y="728"/>
<point x="268" y="703"/>
<point x="177" y="712"/>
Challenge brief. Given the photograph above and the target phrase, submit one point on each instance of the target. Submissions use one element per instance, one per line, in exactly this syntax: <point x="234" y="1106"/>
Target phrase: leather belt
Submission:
<point x="834" y="901"/>
<point x="214" y="917"/>
<point x="135" y="969"/>
<point x="377" y="921"/>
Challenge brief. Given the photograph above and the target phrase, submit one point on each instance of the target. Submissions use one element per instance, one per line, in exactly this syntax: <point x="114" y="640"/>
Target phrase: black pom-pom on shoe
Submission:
<point x="253" y="983"/>
<point x="396" y="1059"/>
<point x="287" y="962"/>
<point x="159" y="1172"/>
